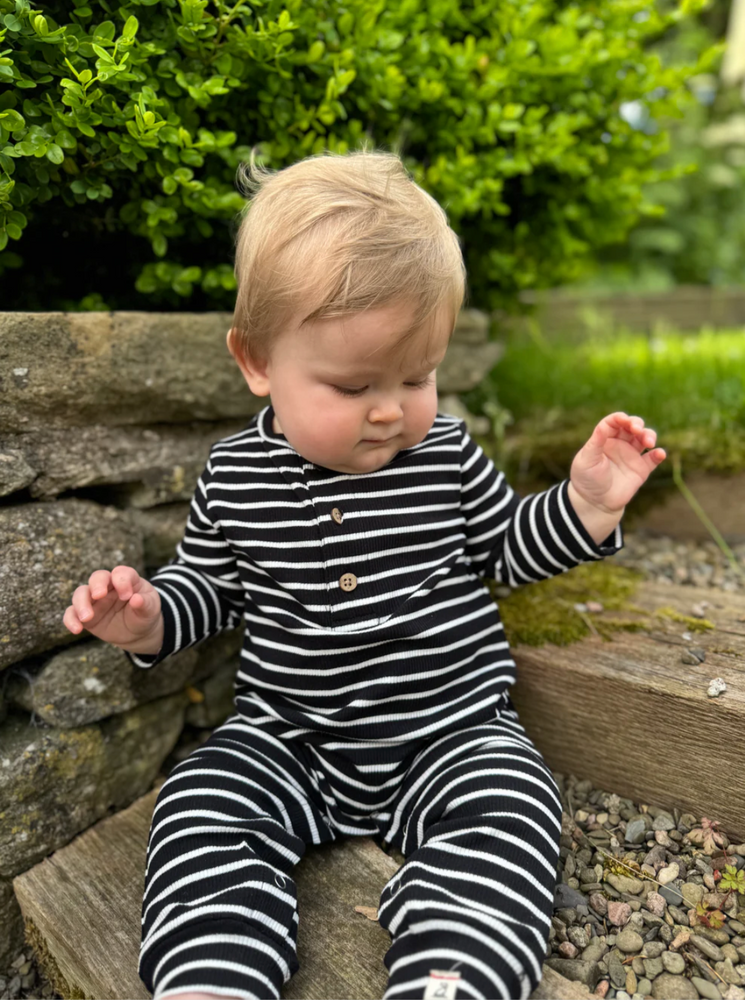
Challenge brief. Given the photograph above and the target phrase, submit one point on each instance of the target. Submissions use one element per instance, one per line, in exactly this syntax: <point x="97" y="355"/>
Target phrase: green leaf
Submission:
<point x="12" y="120"/>
<point x="40" y="25"/>
<point x="160" y="245"/>
<point x="13" y="231"/>
<point x="130" y="27"/>
<point x="65" y="139"/>
<point x="55" y="154"/>
<point x="12" y="23"/>
<point x="3" y="239"/>
<point x="169" y="185"/>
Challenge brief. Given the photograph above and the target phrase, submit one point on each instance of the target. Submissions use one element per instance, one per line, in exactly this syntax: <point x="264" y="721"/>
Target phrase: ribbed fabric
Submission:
<point x="476" y="813"/>
<point x="382" y="709"/>
<point x="417" y="648"/>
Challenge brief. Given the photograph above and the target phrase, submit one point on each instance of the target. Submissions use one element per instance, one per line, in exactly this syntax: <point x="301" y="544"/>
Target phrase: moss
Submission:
<point x="544" y="612"/>
<point x="48" y="964"/>
<point x="694" y="624"/>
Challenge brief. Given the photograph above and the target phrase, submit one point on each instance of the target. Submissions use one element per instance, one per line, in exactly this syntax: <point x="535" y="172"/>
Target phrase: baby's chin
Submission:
<point x="368" y="459"/>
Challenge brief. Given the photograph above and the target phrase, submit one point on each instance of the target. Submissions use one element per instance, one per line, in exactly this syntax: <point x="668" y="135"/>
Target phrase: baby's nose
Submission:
<point x="388" y="410"/>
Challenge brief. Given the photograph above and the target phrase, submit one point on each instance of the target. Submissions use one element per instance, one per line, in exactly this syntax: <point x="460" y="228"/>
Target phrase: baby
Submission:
<point x="349" y="529"/>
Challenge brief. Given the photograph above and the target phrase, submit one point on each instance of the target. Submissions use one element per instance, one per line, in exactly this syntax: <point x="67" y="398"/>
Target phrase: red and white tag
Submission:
<point x="441" y="985"/>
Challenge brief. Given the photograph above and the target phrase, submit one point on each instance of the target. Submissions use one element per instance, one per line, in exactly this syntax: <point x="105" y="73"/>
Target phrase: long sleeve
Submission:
<point x="518" y="541"/>
<point x="200" y="590"/>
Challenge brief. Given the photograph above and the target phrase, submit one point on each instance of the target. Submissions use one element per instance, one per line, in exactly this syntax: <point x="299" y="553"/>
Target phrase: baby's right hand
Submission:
<point x="118" y="607"/>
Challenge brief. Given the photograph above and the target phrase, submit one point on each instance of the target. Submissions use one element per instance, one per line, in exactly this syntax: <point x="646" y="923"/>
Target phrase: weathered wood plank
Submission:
<point x="82" y="909"/>
<point x="635" y="720"/>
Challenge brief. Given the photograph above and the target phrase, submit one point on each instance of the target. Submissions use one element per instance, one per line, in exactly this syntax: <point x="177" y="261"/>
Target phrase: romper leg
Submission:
<point x="478" y="820"/>
<point x="219" y="909"/>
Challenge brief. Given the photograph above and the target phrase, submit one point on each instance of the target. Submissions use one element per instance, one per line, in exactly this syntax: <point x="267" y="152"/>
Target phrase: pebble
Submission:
<point x="705" y="989"/>
<point x="711" y="950"/>
<point x="668" y="874"/>
<point x="656" y="903"/>
<point x="629" y="940"/>
<point x="618" y="913"/>
<point x="716" y="687"/>
<point x="602" y="918"/>
<point x="669" y="987"/>
<point x="636" y="831"/>
<point x="673" y="962"/>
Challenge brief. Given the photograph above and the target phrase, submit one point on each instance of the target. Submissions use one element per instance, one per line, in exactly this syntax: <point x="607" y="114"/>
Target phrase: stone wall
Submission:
<point x="687" y="307"/>
<point x="106" y="421"/>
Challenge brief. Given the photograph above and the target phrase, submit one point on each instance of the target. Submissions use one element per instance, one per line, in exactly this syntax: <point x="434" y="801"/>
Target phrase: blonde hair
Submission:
<point x="335" y="234"/>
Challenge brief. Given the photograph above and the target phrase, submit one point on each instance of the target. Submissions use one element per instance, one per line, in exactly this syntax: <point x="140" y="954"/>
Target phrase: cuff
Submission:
<point x="171" y="635"/>
<point x="582" y="538"/>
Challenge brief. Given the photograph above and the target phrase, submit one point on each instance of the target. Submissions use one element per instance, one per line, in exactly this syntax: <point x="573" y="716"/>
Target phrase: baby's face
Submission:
<point x="345" y="396"/>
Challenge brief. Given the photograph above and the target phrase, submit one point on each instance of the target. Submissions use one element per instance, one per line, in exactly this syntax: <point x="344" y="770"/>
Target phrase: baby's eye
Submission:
<point x="348" y="392"/>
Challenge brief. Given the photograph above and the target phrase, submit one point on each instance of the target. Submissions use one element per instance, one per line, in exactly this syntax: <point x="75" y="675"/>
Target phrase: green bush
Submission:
<point x="121" y="128"/>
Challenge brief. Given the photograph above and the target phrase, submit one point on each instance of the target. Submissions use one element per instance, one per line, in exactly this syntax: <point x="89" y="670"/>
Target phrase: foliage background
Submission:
<point x="121" y="128"/>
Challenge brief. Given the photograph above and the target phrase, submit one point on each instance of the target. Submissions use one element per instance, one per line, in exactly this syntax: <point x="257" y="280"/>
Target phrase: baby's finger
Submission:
<point x="99" y="583"/>
<point x="124" y="579"/>
<point x="70" y="620"/>
<point x="81" y="602"/>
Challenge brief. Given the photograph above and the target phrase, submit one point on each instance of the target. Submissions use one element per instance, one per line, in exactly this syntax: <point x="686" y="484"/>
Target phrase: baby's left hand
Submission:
<point x="610" y="468"/>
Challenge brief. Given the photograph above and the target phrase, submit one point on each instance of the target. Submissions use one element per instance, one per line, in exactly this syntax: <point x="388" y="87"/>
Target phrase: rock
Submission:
<point x="653" y="967"/>
<point x="716" y="687"/>
<point x="673" y="962"/>
<point x="711" y="950"/>
<point x="629" y="941"/>
<point x="636" y="830"/>
<point x="656" y="903"/>
<point x="669" y="987"/>
<point x="678" y="915"/>
<point x="46" y="551"/>
<point x="576" y="970"/>
<point x="655" y="857"/>
<point x="599" y="903"/>
<point x="663" y="821"/>
<point x="727" y="971"/>
<point x="93" y="680"/>
<point x="705" y="989"/>
<point x="654" y="949"/>
<point x="618" y="913"/>
<point x="668" y="874"/>
<point x="625" y="883"/>
<point x="692" y="893"/>
<point x="74" y="777"/>
<point x="671" y="894"/>
<point x="734" y="993"/>
<point x="616" y="970"/>
<point x="644" y="986"/>
<point x="566" y="897"/>
<point x="594" y="951"/>
<point x="567" y="950"/>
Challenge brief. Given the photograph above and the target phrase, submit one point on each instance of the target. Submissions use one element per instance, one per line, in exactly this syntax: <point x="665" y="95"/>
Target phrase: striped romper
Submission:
<point x="371" y="697"/>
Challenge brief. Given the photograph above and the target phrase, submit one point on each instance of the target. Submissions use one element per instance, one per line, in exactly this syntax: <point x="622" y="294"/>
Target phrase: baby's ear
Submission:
<point x="254" y="372"/>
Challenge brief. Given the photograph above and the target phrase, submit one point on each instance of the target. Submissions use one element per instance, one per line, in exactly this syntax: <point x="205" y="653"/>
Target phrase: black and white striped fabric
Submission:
<point x="362" y="595"/>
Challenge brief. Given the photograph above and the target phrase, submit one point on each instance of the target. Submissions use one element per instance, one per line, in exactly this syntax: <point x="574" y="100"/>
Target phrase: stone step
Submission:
<point x="82" y="908"/>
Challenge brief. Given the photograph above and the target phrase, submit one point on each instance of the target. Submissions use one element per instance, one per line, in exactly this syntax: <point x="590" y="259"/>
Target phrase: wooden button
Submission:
<point x="348" y="581"/>
<point x="337" y="515"/>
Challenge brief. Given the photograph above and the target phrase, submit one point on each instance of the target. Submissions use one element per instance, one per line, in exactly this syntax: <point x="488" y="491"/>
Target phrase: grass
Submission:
<point x="689" y="387"/>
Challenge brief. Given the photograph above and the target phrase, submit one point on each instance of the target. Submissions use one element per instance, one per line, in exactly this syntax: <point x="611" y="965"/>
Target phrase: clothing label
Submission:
<point x="441" y="985"/>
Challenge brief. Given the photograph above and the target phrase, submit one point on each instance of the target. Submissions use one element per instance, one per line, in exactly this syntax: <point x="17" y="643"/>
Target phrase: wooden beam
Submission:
<point x="82" y="907"/>
<point x="634" y="719"/>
